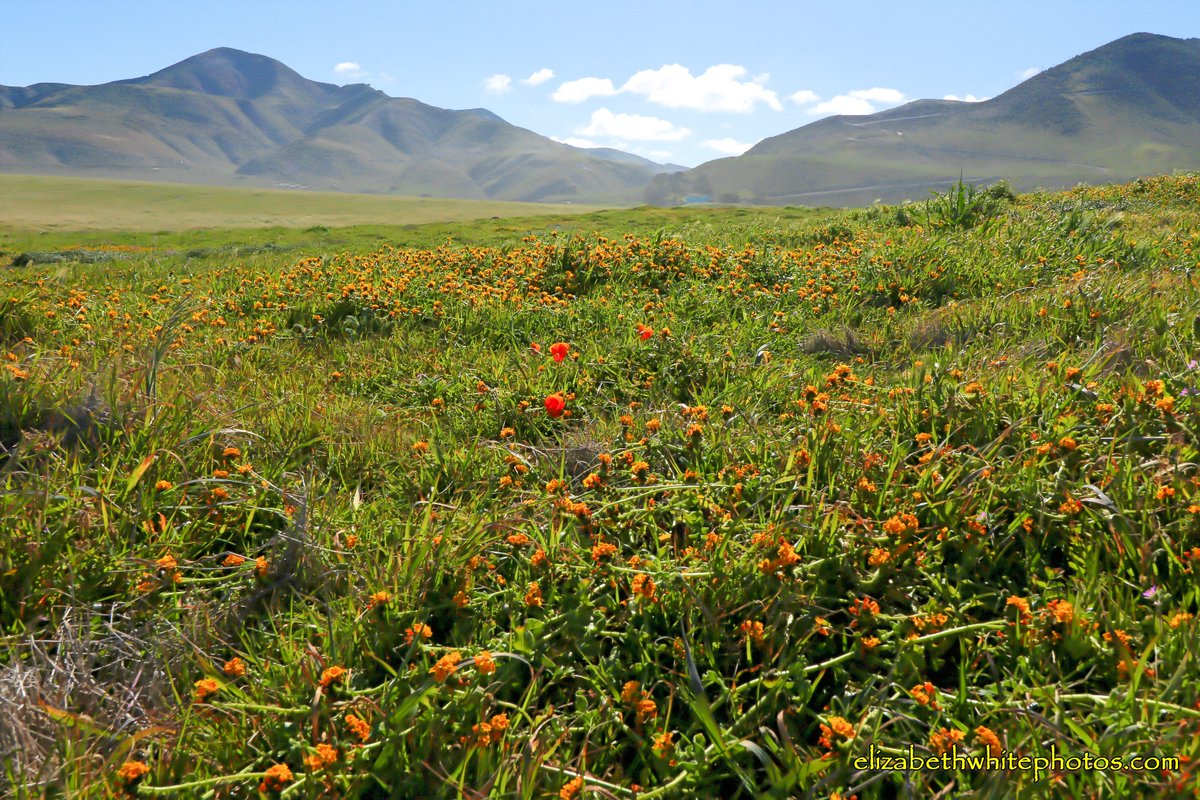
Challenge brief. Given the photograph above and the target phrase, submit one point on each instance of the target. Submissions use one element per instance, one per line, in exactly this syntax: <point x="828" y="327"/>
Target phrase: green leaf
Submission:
<point x="137" y="474"/>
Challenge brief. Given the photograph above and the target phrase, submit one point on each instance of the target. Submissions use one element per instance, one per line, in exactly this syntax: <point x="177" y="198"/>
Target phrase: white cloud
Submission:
<point x="575" y="141"/>
<point x="539" y="77"/>
<point x="497" y="84"/>
<point x="350" y="70"/>
<point x="1026" y="74"/>
<point x="860" y="101"/>
<point x="722" y="87"/>
<point x="727" y="146"/>
<point x="632" y="126"/>
<point x="804" y="97"/>
<point x="969" y="98"/>
<point x="717" y="89"/>
<point x="582" y="89"/>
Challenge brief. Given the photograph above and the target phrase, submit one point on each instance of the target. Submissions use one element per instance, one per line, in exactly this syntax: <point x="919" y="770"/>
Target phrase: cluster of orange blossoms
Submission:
<point x="489" y="732"/>
<point x="358" y="727"/>
<point x="837" y="729"/>
<point x="132" y="771"/>
<point x="325" y="757"/>
<point x="276" y="778"/>
<point x="643" y="707"/>
<point x="333" y="675"/>
<point x="446" y="665"/>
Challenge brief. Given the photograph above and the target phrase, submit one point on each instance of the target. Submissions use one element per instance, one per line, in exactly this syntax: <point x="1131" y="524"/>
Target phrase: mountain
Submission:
<point x="621" y="156"/>
<point x="1129" y="108"/>
<point x="231" y="117"/>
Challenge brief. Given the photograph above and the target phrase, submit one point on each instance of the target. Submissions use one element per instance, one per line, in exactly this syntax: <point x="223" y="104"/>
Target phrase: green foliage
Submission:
<point x="966" y="205"/>
<point x="822" y="482"/>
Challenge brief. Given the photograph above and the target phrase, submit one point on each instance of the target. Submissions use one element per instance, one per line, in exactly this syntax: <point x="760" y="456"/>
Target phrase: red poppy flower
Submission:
<point x="535" y="347"/>
<point x="559" y="350"/>
<point x="645" y="331"/>
<point x="555" y="404"/>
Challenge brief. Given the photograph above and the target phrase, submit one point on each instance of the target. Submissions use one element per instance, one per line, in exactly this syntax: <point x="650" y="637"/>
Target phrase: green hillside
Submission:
<point x="229" y="117"/>
<point x="1129" y="108"/>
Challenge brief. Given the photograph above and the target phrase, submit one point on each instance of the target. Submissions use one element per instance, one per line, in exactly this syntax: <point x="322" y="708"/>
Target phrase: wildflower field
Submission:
<point x="719" y="508"/>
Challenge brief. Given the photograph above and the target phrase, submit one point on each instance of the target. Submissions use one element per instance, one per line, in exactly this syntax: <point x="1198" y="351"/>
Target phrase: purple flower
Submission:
<point x="1149" y="593"/>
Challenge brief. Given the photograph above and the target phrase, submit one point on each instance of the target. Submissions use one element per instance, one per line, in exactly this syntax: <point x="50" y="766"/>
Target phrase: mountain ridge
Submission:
<point x="226" y="116"/>
<point x="1127" y="108"/>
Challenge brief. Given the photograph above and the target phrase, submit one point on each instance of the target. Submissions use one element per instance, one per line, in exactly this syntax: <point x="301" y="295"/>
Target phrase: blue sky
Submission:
<point x="676" y="81"/>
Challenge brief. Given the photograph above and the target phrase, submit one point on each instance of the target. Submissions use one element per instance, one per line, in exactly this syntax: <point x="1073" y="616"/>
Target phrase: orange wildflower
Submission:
<point x="838" y="728"/>
<point x="484" y="663"/>
<point x="878" y="557"/>
<point x="643" y="585"/>
<point x="573" y="788"/>
<point x="1022" y="606"/>
<point x="990" y="741"/>
<point x="275" y="777"/>
<point x="234" y="667"/>
<point x="333" y="675"/>
<point x="205" y="687"/>
<point x="499" y="723"/>
<point x="864" y="606"/>
<point x="420" y="629"/>
<point x="325" y="756"/>
<point x="603" y="549"/>
<point x="1179" y="618"/>
<point x="1071" y="506"/>
<point x="131" y="771"/>
<point x="901" y="524"/>
<point x="753" y="631"/>
<point x="359" y="727"/>
<point x="945" y="740"/>
<point x="446" y="665"/>
<point x="1062" y="610"/>
<point x="925" y="694"/>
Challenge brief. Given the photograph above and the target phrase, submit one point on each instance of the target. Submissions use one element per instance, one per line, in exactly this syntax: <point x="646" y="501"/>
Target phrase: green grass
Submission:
<point x="53" y="204"/>
<point x="827" y="482"/>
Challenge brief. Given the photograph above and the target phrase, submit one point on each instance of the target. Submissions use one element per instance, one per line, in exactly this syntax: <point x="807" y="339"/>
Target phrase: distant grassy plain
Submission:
<point x="47" y="213"/>
<point x="58" y="203"/>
